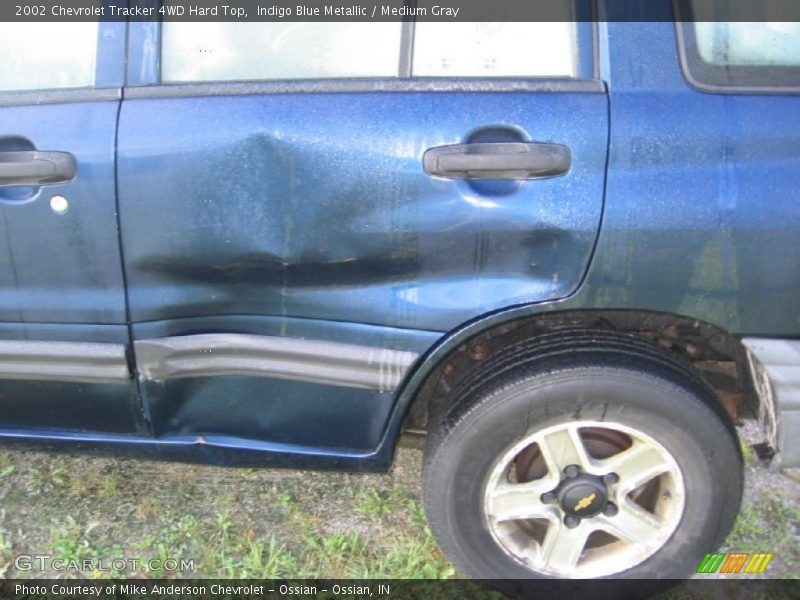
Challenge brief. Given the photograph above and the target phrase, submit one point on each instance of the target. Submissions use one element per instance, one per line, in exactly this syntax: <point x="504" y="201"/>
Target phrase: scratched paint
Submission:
<point x="316" y="206"/>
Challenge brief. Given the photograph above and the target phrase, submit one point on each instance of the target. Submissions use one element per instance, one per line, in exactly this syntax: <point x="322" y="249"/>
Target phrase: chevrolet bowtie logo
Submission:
<point x="584" y="502"/>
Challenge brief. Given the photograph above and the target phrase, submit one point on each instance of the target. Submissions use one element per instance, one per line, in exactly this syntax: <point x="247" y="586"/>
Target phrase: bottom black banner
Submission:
<point x="223" y="589"/>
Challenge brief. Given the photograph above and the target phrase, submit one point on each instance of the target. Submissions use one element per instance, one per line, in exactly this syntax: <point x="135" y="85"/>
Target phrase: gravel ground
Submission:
<point x="274" y="523"/>
<point x="769" y="520"/>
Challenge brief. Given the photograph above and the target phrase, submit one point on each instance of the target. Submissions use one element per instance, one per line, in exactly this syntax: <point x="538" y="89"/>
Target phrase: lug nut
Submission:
<point x="610" y="509"/>
<point x="572" y="471"/>
<point x="548" y="498"/>
<point x="571" y="522"/>
<point x="611" y="478"/>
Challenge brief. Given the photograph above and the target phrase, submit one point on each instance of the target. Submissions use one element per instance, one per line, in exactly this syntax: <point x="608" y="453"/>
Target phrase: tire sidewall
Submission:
<point x="672" y="415"/>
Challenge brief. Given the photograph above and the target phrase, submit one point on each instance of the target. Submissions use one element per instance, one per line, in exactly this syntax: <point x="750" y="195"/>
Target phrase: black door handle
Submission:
<point x="32" y="167"/>
<point x="503" y="160"/>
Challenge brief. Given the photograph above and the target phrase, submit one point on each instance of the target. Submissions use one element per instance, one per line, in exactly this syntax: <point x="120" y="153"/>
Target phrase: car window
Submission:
<point x="55" y="55"/>
<point x="242" y="51"/>
<point x="495" y="49"/>
<point x="721" y="51"/>
<point x="733" y="56"/>
<point x="749" y="44"/>
<point x="265" y="51"/>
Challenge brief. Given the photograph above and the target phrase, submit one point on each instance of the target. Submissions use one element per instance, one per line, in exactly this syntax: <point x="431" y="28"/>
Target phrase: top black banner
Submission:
<point x="399" y="10"/>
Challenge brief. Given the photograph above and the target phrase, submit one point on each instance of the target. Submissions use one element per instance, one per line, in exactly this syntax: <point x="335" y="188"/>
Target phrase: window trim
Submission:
<point x="59" y="96"/>
<point x="689" y="61"/>
<point x="406" y="64"/>
<point x="368" y="85"/>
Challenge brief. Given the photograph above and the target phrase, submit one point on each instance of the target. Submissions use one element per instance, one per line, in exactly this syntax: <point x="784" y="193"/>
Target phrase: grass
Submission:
<point x="250" y="523"/>
<point x="218" y="538"/>
<point x="6" y="555"/>
<point x="772" y="524"/>
<point x="226" y="548"/>
<point x="6" y="467"/>
<point x="374" y="503"/>
<point x="769" y="520"/>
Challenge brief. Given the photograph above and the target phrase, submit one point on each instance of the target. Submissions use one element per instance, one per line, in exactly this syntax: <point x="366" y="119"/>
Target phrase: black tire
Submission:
<point x="581" y="376"/>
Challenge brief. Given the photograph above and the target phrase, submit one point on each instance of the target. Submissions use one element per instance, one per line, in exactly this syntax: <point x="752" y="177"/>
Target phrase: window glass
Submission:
<point x="721" y="47"/>
<point x="242" y="51"/>
<point x="741" y="55"/>
<point x="495" y="49"/>
<point x="47" y="55"/>
<point x="749" y="44"/>
<point x="250" y="51"/>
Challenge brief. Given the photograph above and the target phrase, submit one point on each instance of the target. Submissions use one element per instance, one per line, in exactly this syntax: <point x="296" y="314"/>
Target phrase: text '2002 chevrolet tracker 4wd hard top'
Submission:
<point x="566" y="252"/>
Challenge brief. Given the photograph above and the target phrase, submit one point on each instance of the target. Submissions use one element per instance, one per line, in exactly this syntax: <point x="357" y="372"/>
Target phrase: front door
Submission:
<point x="296" y="238"/>
<point x="63" y="333"/>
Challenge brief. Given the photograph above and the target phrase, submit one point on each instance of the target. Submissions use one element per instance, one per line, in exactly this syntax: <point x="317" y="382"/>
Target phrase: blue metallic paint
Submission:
<point x="144" y="63"/>
<point x="62" y="268"/>
<point x="219" y="450"/>
<point x="65" y="332"/>
<point x="700" y="215"/>
<point x="53" y="407"/>
<point x="219" y="235"/>
<point x="316" y="206"/>
<point x="61" y="275"/>
<point x="413" y="340"/>
<point x="110" y="66"/>
<point x="70" y="406"/>
<point x="289" y="412"/>
<point x="272" y="410"/>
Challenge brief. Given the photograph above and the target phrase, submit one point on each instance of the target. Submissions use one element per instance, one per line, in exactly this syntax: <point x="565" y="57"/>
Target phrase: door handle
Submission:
<point x="32" y="167"/>
<point x="497" y="160"/>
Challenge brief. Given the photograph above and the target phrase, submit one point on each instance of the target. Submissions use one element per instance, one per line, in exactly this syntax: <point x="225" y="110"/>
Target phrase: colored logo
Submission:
<point x="735" y="562"/>
<point x="584" y="502"/>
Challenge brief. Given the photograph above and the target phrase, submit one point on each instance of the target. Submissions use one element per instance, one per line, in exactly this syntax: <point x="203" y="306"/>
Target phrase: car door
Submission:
<point x="63" y="333"/>
<point x="298" y="219"/>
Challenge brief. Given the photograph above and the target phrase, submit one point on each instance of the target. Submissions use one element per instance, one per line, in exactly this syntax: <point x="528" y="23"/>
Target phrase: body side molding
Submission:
<point x="63" y="361"/>
<point x="313" y="361"/>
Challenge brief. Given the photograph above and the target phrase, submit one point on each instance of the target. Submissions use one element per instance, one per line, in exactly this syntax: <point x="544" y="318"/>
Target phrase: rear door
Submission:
<point x="290" y="247"/>
<point x="63" y="332"/>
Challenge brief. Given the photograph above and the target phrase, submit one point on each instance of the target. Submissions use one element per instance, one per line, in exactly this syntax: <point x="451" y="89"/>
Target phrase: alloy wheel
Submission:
<point x="584" y="499"/>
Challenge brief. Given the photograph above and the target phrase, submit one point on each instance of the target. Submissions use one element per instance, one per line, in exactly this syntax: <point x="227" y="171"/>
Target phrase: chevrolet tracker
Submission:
<point x="562" y="256"/>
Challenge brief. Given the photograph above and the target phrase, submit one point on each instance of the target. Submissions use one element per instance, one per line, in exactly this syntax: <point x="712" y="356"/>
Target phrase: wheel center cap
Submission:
<point x="583" y="496"/>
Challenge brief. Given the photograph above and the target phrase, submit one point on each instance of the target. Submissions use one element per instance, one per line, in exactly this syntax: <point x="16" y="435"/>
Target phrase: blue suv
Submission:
<point x="563" y="256"/>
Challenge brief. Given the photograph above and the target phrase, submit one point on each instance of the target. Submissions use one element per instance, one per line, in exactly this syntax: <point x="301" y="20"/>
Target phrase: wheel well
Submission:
<point x="717" y="356"/>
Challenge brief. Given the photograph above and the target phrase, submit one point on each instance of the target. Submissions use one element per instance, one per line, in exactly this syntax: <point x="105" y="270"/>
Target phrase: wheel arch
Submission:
<point x="718" y="356"/>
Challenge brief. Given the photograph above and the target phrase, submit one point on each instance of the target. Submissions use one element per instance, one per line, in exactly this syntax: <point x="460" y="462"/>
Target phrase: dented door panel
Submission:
<point x="289" y="260"/>
<point x="317" y="206"/>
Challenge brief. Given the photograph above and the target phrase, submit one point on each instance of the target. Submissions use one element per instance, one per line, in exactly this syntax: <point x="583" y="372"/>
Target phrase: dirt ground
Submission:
<point x="274" y="523"/>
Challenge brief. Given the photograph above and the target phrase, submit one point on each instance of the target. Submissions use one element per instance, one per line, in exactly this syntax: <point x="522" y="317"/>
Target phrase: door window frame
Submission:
<point x="144" y="71"/>
<point x="109" y="74"/>
<point x="711" y="78"/>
